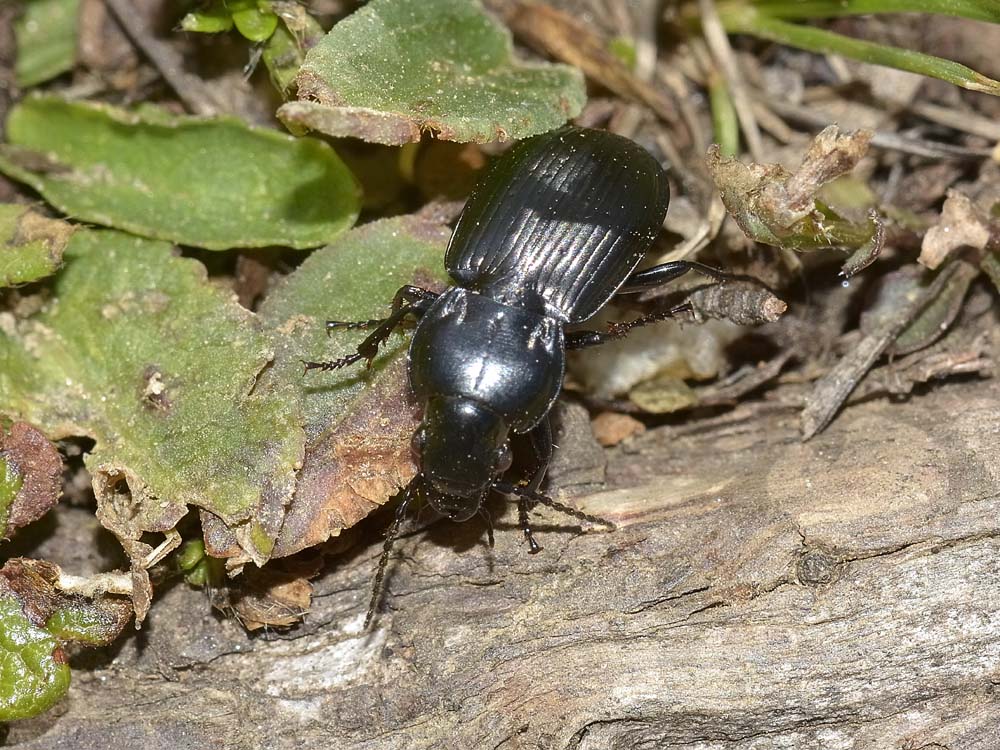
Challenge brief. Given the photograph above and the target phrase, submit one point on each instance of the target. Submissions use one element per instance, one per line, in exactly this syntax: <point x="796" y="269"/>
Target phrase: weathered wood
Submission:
<point x="759" y="593"/>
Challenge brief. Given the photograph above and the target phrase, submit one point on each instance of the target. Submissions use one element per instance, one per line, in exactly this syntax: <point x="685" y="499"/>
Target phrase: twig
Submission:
<point x="962" y="120"/>
<point x="718" y="43"/>
<point x="167" y="59"/>
<point x="566" y="38"/>
<point x="832" y="390"/>
<point x="884" y="139"/>
<point x="646" y="14"/>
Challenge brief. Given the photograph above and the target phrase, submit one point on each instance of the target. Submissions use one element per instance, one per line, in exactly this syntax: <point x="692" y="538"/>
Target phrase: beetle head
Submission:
<point x="462" y="449"/>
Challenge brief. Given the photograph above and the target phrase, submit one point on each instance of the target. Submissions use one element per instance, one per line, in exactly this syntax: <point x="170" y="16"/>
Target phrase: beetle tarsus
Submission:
<point x="335" y="364"/>
<point x="419" y="300"/>
<point x="619" y="330"/>
<point x="537" y="497"/>
<point x="523" y="507"/>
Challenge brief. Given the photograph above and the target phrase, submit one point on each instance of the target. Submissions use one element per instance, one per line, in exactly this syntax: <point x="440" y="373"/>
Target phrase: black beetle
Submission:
<point x="553" y="231"/>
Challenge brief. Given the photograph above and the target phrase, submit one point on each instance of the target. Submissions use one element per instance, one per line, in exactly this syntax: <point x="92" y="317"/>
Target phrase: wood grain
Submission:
<point x="759" y="593"/>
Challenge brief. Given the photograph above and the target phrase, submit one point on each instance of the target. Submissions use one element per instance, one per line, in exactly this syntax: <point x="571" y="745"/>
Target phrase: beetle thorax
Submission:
<point x="508" y="359"/>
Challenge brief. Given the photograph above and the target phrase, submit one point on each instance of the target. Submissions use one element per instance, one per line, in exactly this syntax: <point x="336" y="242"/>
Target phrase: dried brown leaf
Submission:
<point x="30" y="456"/>
<point x="39" y="587"/>
<point x="611" y="428"/>
<point x="936" y="317"/>
<point x="277" y="596"/>
<point x="961" y="224"/>
<point x="831" y="391"/>
<point x="355" y="467"/>
<point x="555" y="32"/>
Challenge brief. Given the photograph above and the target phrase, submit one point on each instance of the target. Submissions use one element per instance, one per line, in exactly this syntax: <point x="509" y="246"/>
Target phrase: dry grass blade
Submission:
<point x="567" y="39"/>
<point x="832" y="390"/>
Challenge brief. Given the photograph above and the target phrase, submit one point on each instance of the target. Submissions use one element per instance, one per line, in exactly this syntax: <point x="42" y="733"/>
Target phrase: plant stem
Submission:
<point x="724" y="120"/>
<point x="747" y="20"/>
<point x="978" y="10"/>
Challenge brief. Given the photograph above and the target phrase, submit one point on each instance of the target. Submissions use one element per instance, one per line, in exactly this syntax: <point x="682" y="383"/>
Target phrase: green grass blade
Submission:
<point x="748" y="21"/>
<point x="725" y="124"/>
<point x="977" y="10"/>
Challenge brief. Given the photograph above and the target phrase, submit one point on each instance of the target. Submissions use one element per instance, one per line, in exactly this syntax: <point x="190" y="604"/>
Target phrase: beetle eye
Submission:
<point x="418" y="441"/>
<point x="504" y="459"/>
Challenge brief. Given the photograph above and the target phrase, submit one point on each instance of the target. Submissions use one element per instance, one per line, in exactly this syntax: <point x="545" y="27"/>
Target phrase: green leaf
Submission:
<point x="88" y="625"/>
<point x="358" y="423"/>
<point x="40" y="610"/>
<point x="46" y="40"/>
<point x="199" y="569"/>
<point x="623" y="48"/>
<point x="396" y="68"/>
<point x="214" y="19"/>
<point x="214" y="183"/>
<point x="34" y="674"/>
<point x="31" y="245"/>
<point x="255" y="25"/>
<point x="980" y="10"/>
<point x="286" y="48"/>
<point x="139" y="352"/>
<point x="746" y="20"/>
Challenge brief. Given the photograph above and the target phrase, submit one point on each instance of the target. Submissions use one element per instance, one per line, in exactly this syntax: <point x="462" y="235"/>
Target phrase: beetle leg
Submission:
<point x="390" y="538"/>
<point x="489" y="526"/>
<point x="408" y="293"/>
<point x="368" y="349"/>
<point x="537" y="497"/>
<point x="541" y="442"/>
<point x="350" y="325"/>
<point x="523" y="507"/>
<point x="656" y="276"/>
<point x="584" y="339"/>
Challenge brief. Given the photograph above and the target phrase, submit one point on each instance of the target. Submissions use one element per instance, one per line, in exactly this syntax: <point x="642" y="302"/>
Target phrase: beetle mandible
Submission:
<point x="553" y="231"/>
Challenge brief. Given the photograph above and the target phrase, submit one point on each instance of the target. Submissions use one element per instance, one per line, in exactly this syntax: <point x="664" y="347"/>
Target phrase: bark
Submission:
<point x="759" y="593"/>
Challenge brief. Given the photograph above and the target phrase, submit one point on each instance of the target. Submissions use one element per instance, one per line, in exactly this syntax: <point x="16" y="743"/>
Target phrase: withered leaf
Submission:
<point x="935" y="318"/>
<point x="70" y="617"/>
<point x="961" y="224"/>
<point x="276" y="596"/>
<point x="30" y="476"/>
<point x="780" y="208"/>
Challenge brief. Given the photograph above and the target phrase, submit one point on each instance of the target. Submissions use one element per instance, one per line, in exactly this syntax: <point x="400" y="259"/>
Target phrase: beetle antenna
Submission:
<point x="527" y="494"/>
<point x="390" y="537"/>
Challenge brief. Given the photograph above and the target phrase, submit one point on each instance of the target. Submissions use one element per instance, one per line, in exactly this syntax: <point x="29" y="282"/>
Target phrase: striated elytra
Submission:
<point x="554" y="230"/>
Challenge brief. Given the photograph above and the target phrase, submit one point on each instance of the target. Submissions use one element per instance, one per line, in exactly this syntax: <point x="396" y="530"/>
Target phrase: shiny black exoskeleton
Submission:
<point x="554" y="230"/>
